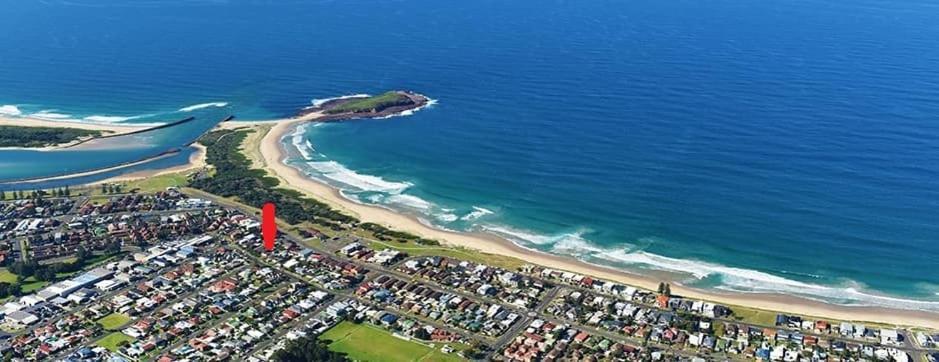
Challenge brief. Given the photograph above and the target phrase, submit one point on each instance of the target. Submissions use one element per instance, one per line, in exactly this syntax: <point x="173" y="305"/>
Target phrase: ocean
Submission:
<point x="750" y="146"/>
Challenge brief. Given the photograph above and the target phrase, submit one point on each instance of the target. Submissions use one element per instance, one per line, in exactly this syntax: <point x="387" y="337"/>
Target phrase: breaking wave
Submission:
<point x="56" y="115"/>
<point x="359" y="182"/>
<point x="409" y="201"/>
<point x="301" y="143"/>
<point x="477" y="213"/>
<point x="202" y="106"/>
<point x="51" y="115"/>
<point x="729" y="278"/>
<point x="527" y="238"/>
<point x="447" y="216"/>
<point x="430" y="103"/>
<point x="10" y="110"/>
<point x="320" y="101"/>
<point x="114" y="119"/>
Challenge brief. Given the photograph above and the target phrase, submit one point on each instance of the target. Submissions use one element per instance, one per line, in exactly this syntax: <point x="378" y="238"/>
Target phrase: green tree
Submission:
<point x="45" y="274"/>
<point x="308" y="349"/>
<point x="82" y="254"/>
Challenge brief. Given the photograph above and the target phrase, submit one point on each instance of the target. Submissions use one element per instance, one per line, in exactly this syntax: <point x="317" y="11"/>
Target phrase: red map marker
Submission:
<point x="268" y="226"/>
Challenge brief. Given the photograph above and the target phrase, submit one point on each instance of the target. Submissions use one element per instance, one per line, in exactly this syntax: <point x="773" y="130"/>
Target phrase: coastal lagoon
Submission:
<point x="781" y="146"/>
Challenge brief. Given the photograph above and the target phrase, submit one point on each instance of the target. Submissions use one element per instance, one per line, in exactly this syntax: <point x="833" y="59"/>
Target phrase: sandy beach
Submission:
<point x="33" y="122"/>
<point x="271" y="150"/>
<point x="109" y="129"/>
<point x="196" y="162"/>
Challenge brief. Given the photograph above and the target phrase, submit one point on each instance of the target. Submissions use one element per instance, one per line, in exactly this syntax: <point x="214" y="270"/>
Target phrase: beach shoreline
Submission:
<point x="196" y="161"/>
<point x="270" y="154"/>
<point x="110" y="130"/>
<point x="273" y="154"/>
<point x="91" y="126"/>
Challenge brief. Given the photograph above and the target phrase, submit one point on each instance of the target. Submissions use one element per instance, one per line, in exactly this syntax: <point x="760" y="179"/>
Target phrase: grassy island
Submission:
<point x="373" y="104"/>
<point x="34" y="137"/>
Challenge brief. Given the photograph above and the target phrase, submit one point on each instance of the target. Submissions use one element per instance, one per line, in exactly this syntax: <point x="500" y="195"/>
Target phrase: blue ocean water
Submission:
<point x="772" y="146"/>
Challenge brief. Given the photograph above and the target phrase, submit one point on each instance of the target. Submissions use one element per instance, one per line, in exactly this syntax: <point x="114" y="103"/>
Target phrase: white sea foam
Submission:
<point x="447" y="215"/>
<point x="10" y="110"/>
<point x="339" y="173"/>
<point x="729" y="278"/>
<point x="430" y="103"/>
<point x="114" y="119"/>
<point x="51" y="115"/>
<point x="746" y="280"/>
<point x="300" y="143"/>
<point x="106" y="119"/>
<point x="320" y="101"/>
<point x="202" y="106"/>
<point x="409" y="201"/>
<point x="528" y="237"/>
<point x="477" y="213"/>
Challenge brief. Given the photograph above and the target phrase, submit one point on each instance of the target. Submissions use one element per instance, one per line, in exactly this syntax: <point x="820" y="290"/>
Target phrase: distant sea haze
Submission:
<point x="734" y="145"/>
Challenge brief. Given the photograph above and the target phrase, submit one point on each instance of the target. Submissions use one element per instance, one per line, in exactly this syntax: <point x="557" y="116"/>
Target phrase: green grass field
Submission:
<point x="384" y="100"/>
<point x="29" y="284"/>
<point x="112" y="340"/>
<point x="7" y="276"/>
<point x="755" y="316"/>
<point x="365" y="342"/>
<point x="32" y="285"/>
<point x="114" y="321"/>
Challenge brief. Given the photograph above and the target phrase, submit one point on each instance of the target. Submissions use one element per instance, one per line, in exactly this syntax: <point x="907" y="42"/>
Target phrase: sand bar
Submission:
<point x="106" y="127"/>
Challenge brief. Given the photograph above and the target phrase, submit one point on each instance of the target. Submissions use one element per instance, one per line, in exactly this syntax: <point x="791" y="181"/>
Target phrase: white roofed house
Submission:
<point x="846" y="329"/>
<point x="21" y="318"/>
<point x="889" y="337"/>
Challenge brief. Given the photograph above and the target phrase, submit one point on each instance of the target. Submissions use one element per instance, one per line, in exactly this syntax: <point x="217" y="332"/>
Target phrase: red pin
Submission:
<point x="268" y="226"/>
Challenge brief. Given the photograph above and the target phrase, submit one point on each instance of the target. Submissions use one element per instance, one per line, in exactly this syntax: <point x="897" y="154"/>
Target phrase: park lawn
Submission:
<point x="146" y="185"/>
<point x="112" y="340"/>
<point x="158" y="183"/>
<point x="7" y="276"/>
<point x="754" y="316"/>
<point x="31" y="285"/>
<point x="114" y="321"/>
<point x="365" y="342"/>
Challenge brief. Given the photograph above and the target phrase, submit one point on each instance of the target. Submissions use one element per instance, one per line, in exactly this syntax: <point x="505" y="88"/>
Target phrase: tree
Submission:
<point x="114" y="248"/>
<point x="67" y="192"/>
<point x="308" y="349"/>
<point x="421" y="333"/>
<point x="3" y="195"/>
<point x="661" y="288"/>
<point x="82" y="254"/>
<point x="668" y="290"/>
<point x="45" y="274"/>
<point x="104" y="188"/>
